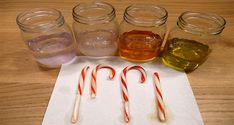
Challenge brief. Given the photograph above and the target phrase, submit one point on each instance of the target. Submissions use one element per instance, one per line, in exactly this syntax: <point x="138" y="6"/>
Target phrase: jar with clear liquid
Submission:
<point x="95" y="29"/>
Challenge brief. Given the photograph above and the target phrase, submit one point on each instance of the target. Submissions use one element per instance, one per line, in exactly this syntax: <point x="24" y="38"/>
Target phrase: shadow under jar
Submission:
<point x="191" y="40"/>
<point x="47" y="36"/>
<point x="141" y="32"/>
<point x="96" y="29"/>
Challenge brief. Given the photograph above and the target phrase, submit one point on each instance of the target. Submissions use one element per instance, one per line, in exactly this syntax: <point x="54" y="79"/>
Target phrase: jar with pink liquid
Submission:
<point x="47" y="36"/>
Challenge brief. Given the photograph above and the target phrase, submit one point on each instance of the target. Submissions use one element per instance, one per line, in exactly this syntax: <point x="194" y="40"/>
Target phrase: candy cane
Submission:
<point x="125" y="88"/>
<point x="80" y="88"/>
<point x="94" y="78"/>
<point x="160" y="102"/>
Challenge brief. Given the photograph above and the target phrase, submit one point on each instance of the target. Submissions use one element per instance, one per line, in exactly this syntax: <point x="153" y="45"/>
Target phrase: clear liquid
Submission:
<point x="97" y="43"/>
<point x="185" y="55"/>
<point x="53" y="50"/>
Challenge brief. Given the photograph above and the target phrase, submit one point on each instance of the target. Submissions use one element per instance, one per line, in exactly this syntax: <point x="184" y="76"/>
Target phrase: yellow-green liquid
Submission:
<point x="183" y="54"/>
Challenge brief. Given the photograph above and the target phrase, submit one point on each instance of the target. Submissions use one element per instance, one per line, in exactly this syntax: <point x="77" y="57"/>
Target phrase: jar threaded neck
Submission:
<point x="201" y="23"/>
<point x="40" y="19"/>
<point x="93" y="13"/>
<point x="145" y="15"/>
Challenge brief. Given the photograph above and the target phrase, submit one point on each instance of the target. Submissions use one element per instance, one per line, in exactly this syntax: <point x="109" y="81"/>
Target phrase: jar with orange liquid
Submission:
<point x="141" y="32"/>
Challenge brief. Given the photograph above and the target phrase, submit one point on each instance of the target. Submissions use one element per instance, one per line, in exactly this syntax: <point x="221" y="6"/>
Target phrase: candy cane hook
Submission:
<point x="94" y="78"/>
<point x="125" y="88"/>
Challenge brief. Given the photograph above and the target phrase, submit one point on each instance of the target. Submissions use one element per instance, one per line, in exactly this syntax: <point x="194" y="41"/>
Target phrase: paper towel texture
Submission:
<point x="107" y="108"/>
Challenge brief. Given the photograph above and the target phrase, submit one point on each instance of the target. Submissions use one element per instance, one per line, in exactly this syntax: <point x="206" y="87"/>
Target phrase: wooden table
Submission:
<point x="25" y="88"/>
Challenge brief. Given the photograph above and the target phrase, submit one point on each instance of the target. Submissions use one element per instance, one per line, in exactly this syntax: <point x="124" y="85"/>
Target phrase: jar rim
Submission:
<point x="25" y="20"/>
<point x="200" y="22"/>
<point x="158" y="18"/>
<point x="107" y="16"/>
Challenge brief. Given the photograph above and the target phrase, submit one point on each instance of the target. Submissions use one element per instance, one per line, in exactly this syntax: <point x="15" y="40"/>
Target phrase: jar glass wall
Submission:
<point x="142" y="32"/>
<point x="191" y="40"/>
<point x="48" y="37"/>
<point x="96" y="29"/>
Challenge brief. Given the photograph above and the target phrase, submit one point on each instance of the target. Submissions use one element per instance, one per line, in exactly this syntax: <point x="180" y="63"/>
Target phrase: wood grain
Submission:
<point x="25" y="88"/>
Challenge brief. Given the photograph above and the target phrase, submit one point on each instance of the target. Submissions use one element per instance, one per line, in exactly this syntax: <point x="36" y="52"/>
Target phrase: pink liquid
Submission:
<point x="53" y="50"/>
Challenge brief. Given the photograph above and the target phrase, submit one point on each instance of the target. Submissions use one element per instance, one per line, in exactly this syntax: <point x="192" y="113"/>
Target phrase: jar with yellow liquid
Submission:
<point x="190" y="42"/>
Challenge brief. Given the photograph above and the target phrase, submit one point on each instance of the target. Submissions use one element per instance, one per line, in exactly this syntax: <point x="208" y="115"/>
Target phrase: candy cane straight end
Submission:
<point x="126" y="112"/>
<point x="126" y="115"/>
<point x="93" y="95"/>
<point x="160" y="102"/>
<point x="74" y="117"/>
<point x="162" y="115"/>
<point x="126" y="118"/>
<point x="73" y="120"/>
<point x="162" y="118"/>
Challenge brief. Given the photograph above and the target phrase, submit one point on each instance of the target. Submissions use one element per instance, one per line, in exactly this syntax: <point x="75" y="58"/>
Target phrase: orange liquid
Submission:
<point x="139" y="46"/>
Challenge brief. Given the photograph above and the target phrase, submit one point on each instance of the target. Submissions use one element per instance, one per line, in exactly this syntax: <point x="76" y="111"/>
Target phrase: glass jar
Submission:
<point x="191" y="41"/>
<point x="141" y="32"/>
<point x="96" y="29"/>
<point x="47" y="36"/>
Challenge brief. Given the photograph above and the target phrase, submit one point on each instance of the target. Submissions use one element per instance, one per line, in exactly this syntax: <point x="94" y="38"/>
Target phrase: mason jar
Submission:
<point x="47" y="36"/>
<point x="142" y="32"/>
<point x="190" y="41"/>
<point x="95" y="29"/>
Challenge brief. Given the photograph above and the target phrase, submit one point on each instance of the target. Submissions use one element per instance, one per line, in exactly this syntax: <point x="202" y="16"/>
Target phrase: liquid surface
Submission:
<point x="97" y="43"/>
<point x="53" y="50"/>
<point x="185" y="55"/>
<point x="139" y="46"/>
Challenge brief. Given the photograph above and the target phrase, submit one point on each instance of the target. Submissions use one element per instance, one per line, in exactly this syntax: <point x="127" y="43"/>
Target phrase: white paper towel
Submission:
<point x="107" y="108"/>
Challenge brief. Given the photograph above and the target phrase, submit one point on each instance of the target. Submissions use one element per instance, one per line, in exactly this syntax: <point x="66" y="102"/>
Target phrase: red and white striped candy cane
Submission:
<point x="125" y="88"/>
<point x="80" y="88"/>
<point x="94" y="78"/>
<point x="160" y="102"/>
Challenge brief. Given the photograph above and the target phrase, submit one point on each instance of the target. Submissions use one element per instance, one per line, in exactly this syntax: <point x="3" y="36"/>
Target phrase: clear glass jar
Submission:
<point x="96" y="29"/>
<point x="191" y="40"/>
<point x="47" y="36"/>
<point x="142" y="32"/>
